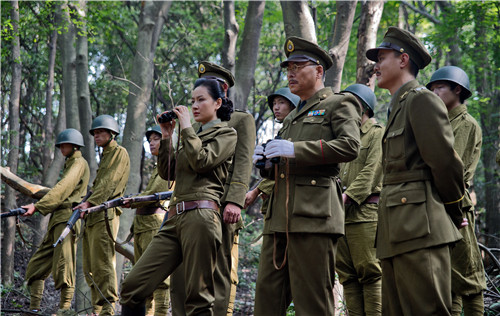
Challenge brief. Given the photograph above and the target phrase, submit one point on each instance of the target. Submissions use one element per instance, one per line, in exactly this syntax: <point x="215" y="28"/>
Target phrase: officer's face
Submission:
<point x="154" y="143"/>
<point x="443" y="90"/>
<point x="387" y="69"/>
<point x="281" y="108"/>
<point x="204" y="107"/>
<point x="101" y="137"/>
<point x="303" y="80"/>
<point x="66" y="149"/>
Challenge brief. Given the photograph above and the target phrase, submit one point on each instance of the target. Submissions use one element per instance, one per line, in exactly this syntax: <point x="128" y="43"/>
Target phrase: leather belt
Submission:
<point x="182" y="207"/>
<point x="372" y="199"/>
<point x="149" y="210"/>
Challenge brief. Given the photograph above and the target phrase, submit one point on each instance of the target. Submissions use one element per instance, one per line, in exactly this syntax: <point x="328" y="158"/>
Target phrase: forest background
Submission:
<point x="64" y="63"/>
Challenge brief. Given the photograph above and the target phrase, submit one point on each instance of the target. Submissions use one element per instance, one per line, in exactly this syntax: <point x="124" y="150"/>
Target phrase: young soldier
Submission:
<point x="147" y="222"/>
<point x="357" y="265"/>
<point x="420" y="201"/>
<point x="451" y="84"/>
<point x="99" y="258"/>
<point x="305" y="215"/>
<point x="61" y="260"/>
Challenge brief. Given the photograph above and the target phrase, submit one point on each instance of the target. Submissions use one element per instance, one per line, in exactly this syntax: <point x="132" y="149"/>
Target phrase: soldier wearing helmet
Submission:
<point x="451" y="84"/>
<point x="59" y="261"/>
<point x="357" y="265"/>
<point x="99" y="258"/>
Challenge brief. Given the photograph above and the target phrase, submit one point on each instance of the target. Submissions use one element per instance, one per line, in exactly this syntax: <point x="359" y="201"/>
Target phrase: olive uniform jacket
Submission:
<point x="70" y="189"/>
<point x="423" y="175"/>
<point x="362" y="177"/>
<point x="308" y="196"/>
<point x="110" y="181"/>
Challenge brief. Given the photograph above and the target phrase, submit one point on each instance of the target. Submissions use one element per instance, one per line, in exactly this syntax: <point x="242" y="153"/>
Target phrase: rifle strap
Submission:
<point x="18" y="228"/>
<point x="110" y="234"/>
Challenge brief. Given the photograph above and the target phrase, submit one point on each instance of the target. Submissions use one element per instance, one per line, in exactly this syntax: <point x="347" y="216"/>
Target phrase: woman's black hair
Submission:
<point x="216" y="91"/>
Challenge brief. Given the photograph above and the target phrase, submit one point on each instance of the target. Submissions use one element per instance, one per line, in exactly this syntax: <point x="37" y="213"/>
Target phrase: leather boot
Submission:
<point x="139" y="310"/>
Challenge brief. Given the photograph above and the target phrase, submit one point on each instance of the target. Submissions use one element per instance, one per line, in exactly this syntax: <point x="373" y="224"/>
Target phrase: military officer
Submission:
<point x="451" y="84"/>
<point x="357" y="265"/>
<point x="147" y="222"/>
<point x="420" y="201"/>
<point x="281" y="103"/>
<point x="305" y="216"/>
<point x="99" y="258"/>
<point x="61" y="260"/>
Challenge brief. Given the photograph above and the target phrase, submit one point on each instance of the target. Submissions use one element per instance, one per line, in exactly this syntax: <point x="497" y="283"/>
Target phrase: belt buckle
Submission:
<point x="180" y="209"/>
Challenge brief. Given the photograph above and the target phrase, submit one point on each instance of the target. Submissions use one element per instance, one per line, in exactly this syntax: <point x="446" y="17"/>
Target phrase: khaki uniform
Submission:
<point x="266" y="186"/>
<point x="61" y="260"/>
<point x="418" y="212"/>
<point x="357" y="265"/>
<point x="99" y="258"/>
<point x="192" y="237"/>
<point x="467" y="274"/>
<point x="145" y="227"/>
<point x="306" y="214"/>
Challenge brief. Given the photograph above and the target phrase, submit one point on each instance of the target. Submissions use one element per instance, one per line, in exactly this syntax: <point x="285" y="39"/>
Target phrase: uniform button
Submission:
<point x="324" y="95"/>
<point x="282" y="176"/>
<point x="385" y="140"/>
<point x="290" y="139"/>
<point x="313" y="182"/>
<point x="294" y="122"/>
<point x="344" y="188"/>
<point x="403" y="200"/>
<point x="175" y="198"/>
<point x="345" y="172"/>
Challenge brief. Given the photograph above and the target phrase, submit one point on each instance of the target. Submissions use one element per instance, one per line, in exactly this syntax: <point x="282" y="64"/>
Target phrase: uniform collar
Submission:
<point x="320" y="95"/>
<point x="367" y="125"/>
<point x="210" y="124"/>
<point x="112" y="145"/>
<point x="457" y="111"/>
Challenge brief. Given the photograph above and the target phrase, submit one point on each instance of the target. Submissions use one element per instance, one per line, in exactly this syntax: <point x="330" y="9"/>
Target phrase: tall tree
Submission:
<point x="231" y="28"/>
<point x="298" y="20"/>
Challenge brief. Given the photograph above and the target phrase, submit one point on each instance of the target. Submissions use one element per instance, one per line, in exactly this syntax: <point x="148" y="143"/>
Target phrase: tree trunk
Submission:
<point x="247" y="56"/>
<point x="453" y="57"/>
<point x="371" y="12"/>
<point x="298" y="20"/>
<point x="8" y="225"/>
<point x="231" y="28"/>
<point x="340" y="42"/>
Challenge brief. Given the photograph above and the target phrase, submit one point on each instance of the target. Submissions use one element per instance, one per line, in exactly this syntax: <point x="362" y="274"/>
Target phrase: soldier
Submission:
<point x="451" y="84"/>
<point x="192" y="235"/>
<point x="357" y="265"/>
<point x="420" y="201"/>
<point x="147" y="222"/>
<point x="305" y="216"/>
<point x="101" y="228"/>
<point x="281" y="103"/>
<point x="61" y="260"/>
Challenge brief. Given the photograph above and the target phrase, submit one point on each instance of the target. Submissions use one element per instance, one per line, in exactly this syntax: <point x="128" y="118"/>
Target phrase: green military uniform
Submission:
<point x="61" y="260"/>
<point x="357" y="266"/>
<point x="192" y="236"/>
<point x="306" y="214"/>
<point x="99" y="258"/>
<point x="467" y="274"/>
<point x="266" y="186"/>
<point x="147" y="222"/>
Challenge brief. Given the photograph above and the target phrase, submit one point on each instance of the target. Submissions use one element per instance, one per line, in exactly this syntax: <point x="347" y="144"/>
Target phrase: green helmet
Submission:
<point x="106" y="122"/>
<point x="454" y="74"/>
<point x="70" y="136"/>
<point x="365" y="94"/>
<point x="154" y="129"/>
<point x="287" y="94"/>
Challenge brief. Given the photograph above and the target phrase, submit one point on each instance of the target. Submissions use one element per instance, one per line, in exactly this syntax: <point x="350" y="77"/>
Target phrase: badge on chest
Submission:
<point x="316" y="113"/>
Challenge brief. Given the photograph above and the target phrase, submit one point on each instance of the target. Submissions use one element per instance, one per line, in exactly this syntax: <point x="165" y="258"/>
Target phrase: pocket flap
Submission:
<point x="314" y="119"/>
<point x="313" y="181"/>
<point x="406" y="197"/>
<point x="395" y="132"/>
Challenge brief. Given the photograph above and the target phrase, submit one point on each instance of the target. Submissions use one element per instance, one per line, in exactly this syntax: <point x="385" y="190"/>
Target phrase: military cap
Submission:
<point x="404" y="42"/>
<point x="207" y="69"/>
<point x="285" y="93"/>
<point x="365" y="94"/>
<point x="155" y="129"/>
<point x="454" y="74"/>
<point x="70" y="136"/>
<point x="299" y="50"/>
<point x="105" y="122"/>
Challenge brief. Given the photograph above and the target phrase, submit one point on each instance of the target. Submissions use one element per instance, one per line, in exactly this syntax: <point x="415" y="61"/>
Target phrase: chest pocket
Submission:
<point x="394" y="144"/>
<point x="311" y="128"/>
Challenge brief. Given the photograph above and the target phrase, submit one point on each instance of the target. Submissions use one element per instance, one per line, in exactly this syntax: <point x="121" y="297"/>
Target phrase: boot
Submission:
<point x="139" y="310"/>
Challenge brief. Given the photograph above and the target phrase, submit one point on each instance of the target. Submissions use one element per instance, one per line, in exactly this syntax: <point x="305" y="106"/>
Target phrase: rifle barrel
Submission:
<point x="13" y="212"/>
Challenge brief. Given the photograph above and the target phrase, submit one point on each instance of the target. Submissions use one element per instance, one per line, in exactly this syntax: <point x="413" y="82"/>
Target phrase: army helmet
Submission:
<point x="155" y="129"/>
<point x="285" y="93"/>
<point x="365" y="94"/>
<point x="454" y="74"/>
<point x="106" y="122"/>
<point x="70" y="136"/>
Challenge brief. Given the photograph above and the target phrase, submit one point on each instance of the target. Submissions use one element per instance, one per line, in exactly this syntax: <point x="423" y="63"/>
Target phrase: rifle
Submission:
<point x="14" y="212"/>
<point x="109" y="204"/>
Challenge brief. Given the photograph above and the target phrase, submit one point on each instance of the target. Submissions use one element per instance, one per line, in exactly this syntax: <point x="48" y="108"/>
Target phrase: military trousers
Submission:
<point x="99" y="262"/>
<point x="193" y="238"/>
<point x="60" y="261"/>
<point x="359" y="269"/>
<point x="417" y="283"/>
<point x="307" y="277"/>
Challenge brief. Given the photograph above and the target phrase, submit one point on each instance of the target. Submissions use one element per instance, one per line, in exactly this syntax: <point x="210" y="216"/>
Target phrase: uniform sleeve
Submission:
<point x="242" y="163"/>
<point x="112" y="176"/>
<point x="63" y="189"/>
<point x="370" y="175"/>
<point x="203" y="157"/>
<point x="344" y="147"/>
<point x="266" y="186"/>
<point x="471" y="136"/>
<point x="434" y="137"/>
<point x="166" y="150"/>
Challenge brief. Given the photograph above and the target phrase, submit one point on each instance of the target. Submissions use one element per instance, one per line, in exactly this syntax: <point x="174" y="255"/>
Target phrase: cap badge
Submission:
<point x="401" y="50"/>
<point x="201" y="68"/>
<point x="289" y="46"/>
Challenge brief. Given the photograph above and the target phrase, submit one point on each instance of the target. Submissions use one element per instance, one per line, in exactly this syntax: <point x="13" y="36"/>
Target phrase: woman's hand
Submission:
<point x="183" y="116"/>
<point x="167" y="129"/>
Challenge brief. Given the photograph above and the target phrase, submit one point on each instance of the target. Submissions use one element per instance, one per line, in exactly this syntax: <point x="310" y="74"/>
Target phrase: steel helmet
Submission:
<point x="70" y="136"/>
<point x="154" y="129"/>
<point x="287" y="94"/>
<point x="365" y="94"/>
<point x="106" y="122"/>
<point x="454" y="74"/>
